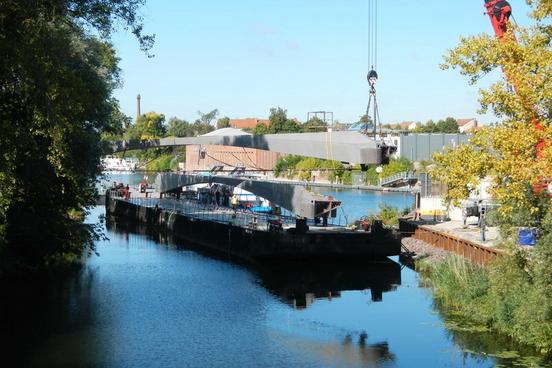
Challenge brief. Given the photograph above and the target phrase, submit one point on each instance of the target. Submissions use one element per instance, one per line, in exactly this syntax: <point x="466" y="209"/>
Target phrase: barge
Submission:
<point x="228" y="233"/>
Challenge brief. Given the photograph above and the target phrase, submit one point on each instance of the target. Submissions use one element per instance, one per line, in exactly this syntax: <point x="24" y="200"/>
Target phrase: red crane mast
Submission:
<point x="499" y="12"/>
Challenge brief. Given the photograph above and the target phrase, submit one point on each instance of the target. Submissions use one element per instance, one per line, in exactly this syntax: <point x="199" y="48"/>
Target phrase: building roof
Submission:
<point x="462" y="122"/>
<point x="248" y="123"/>
<point x="226" y="132"/>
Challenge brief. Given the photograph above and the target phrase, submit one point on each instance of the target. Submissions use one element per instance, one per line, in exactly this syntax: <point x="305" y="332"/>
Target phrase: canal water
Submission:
<point x="146" y="300"/>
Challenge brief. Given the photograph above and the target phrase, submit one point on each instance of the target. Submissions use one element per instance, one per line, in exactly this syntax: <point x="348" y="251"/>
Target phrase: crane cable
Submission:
<point x="372" y="35"/>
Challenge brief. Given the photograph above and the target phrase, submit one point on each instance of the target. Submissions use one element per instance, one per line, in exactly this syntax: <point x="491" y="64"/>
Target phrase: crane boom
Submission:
<point x="499" y="12"/>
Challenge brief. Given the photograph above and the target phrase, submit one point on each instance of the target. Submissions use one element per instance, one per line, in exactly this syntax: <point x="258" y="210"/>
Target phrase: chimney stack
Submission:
<point x="138" y="107"/>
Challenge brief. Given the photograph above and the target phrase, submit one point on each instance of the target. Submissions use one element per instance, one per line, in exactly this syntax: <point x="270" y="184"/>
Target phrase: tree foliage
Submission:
<point x="207" y="118"/>
<point x="178" y="128"/>
<point x="396" y="166"/>
<point x="315" y="124"/>
<point x="448" y="125"/>
<point x="150" y="125"/>
<point x="279" y="123"/>
<point x="286" y="164"/>
<point x="506" y="152"/>
<point x="223" y="122"/>
<point x="56" y="82"/>
<point x="514" y="294"/>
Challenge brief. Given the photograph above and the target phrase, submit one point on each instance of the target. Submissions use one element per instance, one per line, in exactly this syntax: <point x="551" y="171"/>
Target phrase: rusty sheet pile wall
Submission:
<point x="474" y="252"/>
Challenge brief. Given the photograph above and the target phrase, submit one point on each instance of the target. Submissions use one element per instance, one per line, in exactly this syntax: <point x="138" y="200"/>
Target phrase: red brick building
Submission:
<point x="248" y="123"/>
<point x="205" y="157"/>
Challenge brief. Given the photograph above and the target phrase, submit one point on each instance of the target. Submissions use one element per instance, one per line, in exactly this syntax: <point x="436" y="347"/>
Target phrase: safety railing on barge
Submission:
<point x="476" y="253"/>
<point x="217" y="213"/>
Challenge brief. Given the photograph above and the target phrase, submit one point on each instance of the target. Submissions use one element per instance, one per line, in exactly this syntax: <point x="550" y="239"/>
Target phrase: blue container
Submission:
<point x="527" y="236"/>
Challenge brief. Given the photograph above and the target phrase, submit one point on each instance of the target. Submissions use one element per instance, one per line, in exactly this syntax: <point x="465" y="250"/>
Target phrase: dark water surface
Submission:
<point x="146" y="302"/>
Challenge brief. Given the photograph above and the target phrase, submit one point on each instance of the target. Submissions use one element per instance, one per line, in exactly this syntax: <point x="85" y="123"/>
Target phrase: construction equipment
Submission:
<point x="499" y="12"/>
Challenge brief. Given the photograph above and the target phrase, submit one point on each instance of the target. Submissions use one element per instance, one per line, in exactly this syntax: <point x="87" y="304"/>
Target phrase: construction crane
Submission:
<point x="499" y="12"/>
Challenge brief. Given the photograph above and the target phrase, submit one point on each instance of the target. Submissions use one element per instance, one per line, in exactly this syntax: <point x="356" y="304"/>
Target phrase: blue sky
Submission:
<point x="244" y="57"/>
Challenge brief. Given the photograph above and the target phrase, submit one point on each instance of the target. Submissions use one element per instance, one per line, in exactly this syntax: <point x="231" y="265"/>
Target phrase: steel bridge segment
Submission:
<point x="352" y="147"/>
<point x="291" y="197"/>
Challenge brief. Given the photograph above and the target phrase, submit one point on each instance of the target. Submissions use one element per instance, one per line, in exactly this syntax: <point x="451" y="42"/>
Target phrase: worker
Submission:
<point x="234" y="202"/>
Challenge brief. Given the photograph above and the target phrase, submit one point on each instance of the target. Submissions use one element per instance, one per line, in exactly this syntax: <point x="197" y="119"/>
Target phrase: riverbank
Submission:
<point x="510" y="292"/>
<point x="508" y="296"/>
<point x="417" y="250"/>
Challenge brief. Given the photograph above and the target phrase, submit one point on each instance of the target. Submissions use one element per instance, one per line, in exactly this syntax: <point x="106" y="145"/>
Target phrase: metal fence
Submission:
<point x="421" y="146"/>
<point x="211" y="212"/>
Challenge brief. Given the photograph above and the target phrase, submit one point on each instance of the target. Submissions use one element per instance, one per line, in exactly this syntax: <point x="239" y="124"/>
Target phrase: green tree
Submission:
<point x="116" y="124"/>
<point x="396" y="166"/>
<point x="306" y="166"/>
<point x="223" y="122"/>
<point x="506" y="152"/>
<point x="200" y="128"/>
<point x="286" y="165"/>
<point x="57" y="76"/>
<point x="333" y="169"/>
<point x="366" y="119"/>
<point x="178" y="128"/>
<point x="315" y="124"/>
<point x="208" y="118"/>
<point x="371" y="176"/>
<point x="260" y="129"/>
<point x="150" y="125"/>
<point x="517" y="297"/>
<point x="279" y="122"/>
<point x="428" y="127"/>
<point x="449" y="125"/>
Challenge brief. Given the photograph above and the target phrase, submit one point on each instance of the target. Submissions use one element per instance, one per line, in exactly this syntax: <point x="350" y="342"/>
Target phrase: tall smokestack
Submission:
<point x="138" y="107"/>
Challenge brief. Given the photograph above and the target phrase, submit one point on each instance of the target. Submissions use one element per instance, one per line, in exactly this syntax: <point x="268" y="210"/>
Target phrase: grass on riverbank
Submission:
<point x="513" y="295"/>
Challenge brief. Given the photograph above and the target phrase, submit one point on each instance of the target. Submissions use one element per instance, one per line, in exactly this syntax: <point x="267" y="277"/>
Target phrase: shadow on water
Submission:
<point x="200" y="312"/>
<point x="299" y="284"/>
<point x="39" y="314"/>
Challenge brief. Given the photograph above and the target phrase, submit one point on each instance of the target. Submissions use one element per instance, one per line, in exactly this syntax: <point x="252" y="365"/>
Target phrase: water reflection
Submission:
<point x="352" y="351"/>
<point x="38" y="316"/>
<point x="299" y="284"/>
<point x="145" y="304"/>
<point x="474" y="338"/>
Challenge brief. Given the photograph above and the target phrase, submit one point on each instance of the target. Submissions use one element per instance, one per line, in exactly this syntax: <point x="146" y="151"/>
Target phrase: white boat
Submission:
<point x="112" y="163"/>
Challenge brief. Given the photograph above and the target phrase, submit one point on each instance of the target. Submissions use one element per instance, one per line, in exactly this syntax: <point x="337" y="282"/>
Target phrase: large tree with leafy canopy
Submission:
<point x="278" y="123"/>
<point x="506" y="152"/>
<point x="57" y="75"/>
<point x="150" y="125"/>
<point x="516" y="297"/>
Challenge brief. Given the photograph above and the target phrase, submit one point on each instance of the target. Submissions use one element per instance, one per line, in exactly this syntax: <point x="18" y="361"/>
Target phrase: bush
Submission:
<point x="306" y="166"/>
<point x="165" y="162"/>
<point x="388" y="214"/>
<point x="513" y="295"/>
<point x="396" y="166"/>
<point x="286" y="165"/>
